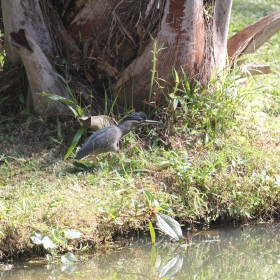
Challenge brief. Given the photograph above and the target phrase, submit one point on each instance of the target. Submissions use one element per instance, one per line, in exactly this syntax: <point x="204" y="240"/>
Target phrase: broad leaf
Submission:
<point x="57" y="237"/>
<point x="169" y="226"/>
<point x="36" y="238"/>
<point x="163" y="207"/>
<point x="48" y="243"/>
<point x="72" y="233"/>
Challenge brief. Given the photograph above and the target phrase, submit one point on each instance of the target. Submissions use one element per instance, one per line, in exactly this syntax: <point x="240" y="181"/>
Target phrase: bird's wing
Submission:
<point x="100" y="142"/>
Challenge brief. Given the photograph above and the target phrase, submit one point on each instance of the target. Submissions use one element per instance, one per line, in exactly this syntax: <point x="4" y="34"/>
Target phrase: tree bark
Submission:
<point x="220" y="31"/>
<point x="114" y="40"/>
<point x="28" y="40"/>
<point x="193" y="41"/>
<point x="24" y="14"/>
<point x="41" y="76"/>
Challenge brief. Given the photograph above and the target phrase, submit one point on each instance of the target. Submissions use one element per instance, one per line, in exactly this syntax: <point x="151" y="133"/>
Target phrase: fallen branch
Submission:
<point x="254" y="36"/>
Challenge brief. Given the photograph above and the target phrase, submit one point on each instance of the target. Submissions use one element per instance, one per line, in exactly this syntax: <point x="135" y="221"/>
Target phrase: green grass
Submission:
<point x="223" y="162"/>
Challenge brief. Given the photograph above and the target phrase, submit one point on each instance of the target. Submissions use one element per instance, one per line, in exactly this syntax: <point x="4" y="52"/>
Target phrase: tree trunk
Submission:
<point x="113" y="43"/>
<point x="26" y="15"/>
<point x="29" y="40"/>
<point x="193" y="34"/>
<point x="194" y="41"/>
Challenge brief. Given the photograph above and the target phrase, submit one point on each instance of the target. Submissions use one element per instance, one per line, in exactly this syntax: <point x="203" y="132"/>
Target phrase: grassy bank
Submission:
<point x="222" y="163"/>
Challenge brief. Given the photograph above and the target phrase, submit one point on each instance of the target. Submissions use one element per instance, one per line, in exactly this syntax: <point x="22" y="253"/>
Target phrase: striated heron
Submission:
<point x="107" y="139"/>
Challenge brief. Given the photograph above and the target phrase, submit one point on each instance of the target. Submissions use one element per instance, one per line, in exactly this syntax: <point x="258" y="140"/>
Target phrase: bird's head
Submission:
<point x="138" y="118"/>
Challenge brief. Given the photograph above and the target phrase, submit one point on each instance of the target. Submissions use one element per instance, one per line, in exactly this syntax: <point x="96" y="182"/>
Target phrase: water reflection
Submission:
<point x="226" y="253"/>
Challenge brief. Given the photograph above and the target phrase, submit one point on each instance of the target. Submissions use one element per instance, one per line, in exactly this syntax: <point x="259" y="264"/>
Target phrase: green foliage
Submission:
<point x="152" y="233"/>
<point x="165" y="223"/>
<point x="169" y="226"/>
<point x="75" y="141"/>
<point x="55" y="240"/>
<point x="2" y="55"/>
<point x="154" y="70"/>
<point x="150" y="198"/>
<point x="211" y="108"/>
<point x="71" y="104"/>
<point x="77" y="112"/>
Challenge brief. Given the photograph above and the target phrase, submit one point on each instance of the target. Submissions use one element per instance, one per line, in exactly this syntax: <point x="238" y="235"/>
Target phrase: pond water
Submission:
<point x="222" y="253"/>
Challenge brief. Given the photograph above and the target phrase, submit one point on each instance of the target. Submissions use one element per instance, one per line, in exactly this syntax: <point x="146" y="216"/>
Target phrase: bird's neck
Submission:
<point x="126" y="126"/>
<point x="124" y="129"/>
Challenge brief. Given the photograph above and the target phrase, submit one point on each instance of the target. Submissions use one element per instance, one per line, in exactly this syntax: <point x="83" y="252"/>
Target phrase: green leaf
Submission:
<point x="135" y="203"/>
<point x="163" y="207"/>
<point x="214" y="74"/>
<point x="169" y="226"/>
<point x="55" y="140"/>
<point x="48" y="243"/>
<point x="75" y="141"/>
<point x="152" y="233"/>
<point x="21" y="98"/>
<point x="80" y="111"/>
<point x="76" y="115"/>
<point x="66" y="83"/>
<point x="186" y="82"/>
<point x="68" y="258"/>
<point x="149" y="197"/>
<point x="72" y="233"/>
<point x="57" y="237"/>
<point x="175" y="76"/>
<point x="114" y="211"/>
<point x="59" y="98"/>
<point x="175" y="103"/>
<point x="36" y="238"/>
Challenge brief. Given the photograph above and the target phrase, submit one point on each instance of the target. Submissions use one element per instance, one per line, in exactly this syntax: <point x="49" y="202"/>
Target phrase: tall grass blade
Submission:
<point x="152" y="233"/>
<point x="75" y="140"/>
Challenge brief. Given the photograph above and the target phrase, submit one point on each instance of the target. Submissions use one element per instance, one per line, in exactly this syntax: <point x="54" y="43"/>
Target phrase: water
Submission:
<point x="224" y="253"/>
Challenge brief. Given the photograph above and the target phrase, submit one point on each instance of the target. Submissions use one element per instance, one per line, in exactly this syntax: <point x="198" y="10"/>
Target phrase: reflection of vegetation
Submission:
<point x="216" y="254"/>
<point x="228" y="254"/>
<point x="206" y="174"/>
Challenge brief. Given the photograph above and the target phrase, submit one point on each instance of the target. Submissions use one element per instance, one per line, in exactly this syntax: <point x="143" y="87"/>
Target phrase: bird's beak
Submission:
<point x="149" y="122"/>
